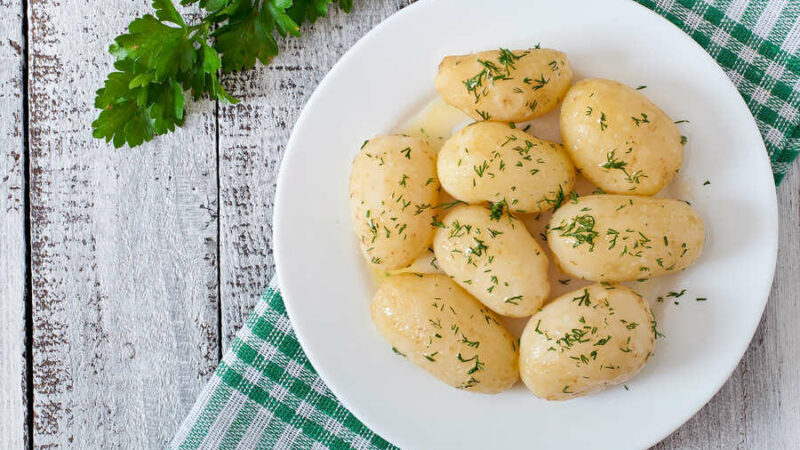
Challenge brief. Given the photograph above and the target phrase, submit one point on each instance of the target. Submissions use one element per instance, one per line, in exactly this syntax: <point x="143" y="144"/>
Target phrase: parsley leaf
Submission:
<point x="248" y="35"/>
<point x="166" y="12"/>
<point x="161" y="56"/>
<point x="311" y="10"/>
<point x="125" y="122"/>
<point x="158" y="47"/>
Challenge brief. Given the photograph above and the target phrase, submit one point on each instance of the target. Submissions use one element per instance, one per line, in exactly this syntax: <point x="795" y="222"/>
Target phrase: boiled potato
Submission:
<point x="585" y="341"/>
<point x="442" y="329"/>
<point x="619" y="139"/>
<point x="505" y="85"/>
<point x="392" y="186"/>
<point x="490" y="161"/>
<point x="622" y="238"/>
<point x="494" y="258"/>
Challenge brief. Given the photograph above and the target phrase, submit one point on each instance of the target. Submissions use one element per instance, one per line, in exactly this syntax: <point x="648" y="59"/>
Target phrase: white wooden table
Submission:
<point x="124" y="273"/>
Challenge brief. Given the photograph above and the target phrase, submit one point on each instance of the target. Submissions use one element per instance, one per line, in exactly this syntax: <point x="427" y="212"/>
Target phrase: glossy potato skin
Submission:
<point x="494" y="259"/>
<point x="618" y="139"/>
<point x="585" y="341"/>
<point x="623" y="238"/>
<point x="392" y="184"/>
<point x="442" y="329"/>
<point x="503" y="85"/>
<point x="490" y="161"/>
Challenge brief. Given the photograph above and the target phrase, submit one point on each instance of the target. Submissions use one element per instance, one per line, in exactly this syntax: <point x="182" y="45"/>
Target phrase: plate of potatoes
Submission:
<point x="525" y="224"/>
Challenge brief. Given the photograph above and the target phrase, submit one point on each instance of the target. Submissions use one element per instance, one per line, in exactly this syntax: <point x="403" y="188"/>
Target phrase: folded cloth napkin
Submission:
<point x="265" y="394"/>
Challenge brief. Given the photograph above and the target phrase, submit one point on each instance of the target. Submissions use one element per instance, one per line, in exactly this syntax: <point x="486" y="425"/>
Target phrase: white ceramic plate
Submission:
<point x="387" y="77"/>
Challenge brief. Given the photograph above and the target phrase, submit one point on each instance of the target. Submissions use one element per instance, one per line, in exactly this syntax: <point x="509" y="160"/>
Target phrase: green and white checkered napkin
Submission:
<point x="265" y="394"/>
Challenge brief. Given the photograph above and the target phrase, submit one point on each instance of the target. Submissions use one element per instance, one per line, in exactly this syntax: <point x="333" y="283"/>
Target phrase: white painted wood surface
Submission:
<point x="123" y="246"/>
<point x="128" y="245"/>
<point x="12" y="234"/>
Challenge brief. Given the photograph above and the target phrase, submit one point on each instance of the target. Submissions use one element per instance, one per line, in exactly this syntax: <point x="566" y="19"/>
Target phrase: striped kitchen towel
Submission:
<point x="756" y="42"/>
<point x="266" y="395"/>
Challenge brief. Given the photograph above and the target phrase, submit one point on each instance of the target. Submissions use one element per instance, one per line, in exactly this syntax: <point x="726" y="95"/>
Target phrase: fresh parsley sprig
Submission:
<point x="162" y="56"/>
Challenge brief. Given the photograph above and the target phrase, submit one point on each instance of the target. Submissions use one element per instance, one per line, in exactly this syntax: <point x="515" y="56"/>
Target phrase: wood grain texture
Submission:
<point x="12" y="238"/>
<point x="759" y="406"/>
<point x="124" y="243"/>
<point x="252" y="137"/>
<point x="124" y="248"/>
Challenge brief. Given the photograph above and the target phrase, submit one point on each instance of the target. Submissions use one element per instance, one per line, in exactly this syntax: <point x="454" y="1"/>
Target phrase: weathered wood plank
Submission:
<point x="759" y="406"/>
<point x="12" y="238"/>
<point x="125" y="257"/>
<point x="252" y="137"/>
<point x="124" y="248"/>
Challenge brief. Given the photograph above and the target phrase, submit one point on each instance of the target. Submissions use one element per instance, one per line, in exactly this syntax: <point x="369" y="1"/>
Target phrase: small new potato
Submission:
<point x="392" y="185"/>
<point x="442" y="329"/>
<point x="490" y="161"/>
<point x="623" y="238"/>
<point x="619" y="139"/>
<point x="585" y="341"/>
<point x="505" y="85"/>
<point x="494" y="258"/>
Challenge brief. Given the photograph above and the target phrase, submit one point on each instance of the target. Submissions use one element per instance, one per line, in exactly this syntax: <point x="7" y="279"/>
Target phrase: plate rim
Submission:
<point x="351" y="406"/>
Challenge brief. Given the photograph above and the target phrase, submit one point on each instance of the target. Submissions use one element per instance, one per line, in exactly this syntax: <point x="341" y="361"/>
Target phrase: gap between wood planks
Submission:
<point x="687" y="437"/>
<point x="26" y="228"/>
<point x="219" y="233"/>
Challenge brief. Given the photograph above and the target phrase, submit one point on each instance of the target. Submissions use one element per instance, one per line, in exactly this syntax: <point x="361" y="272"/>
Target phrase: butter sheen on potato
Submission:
<point x="393" y="183"/>
<point x="490" y="161"/>
<point x="625" y="238"/>
<point x="494" y="258"/>
<point x="620" y="140"/>
<point x="505" y="85"/>
<point x="439" y="327"/>
<point x="585" y="341"/>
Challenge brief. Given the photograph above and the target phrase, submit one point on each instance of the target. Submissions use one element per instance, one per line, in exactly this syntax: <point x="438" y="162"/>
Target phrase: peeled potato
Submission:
<point x="505" y="85"/>
<point x="490" y="161"/>
<point x="623" y="238"/>
<point x="585" y="341"/>
<point x="619" y="139"/>
<point x="442" y="329"/>
<point x="494" y="258"/>
<point x="392" y="186"/>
